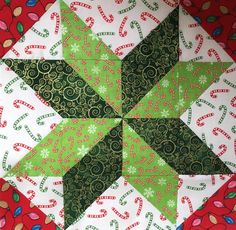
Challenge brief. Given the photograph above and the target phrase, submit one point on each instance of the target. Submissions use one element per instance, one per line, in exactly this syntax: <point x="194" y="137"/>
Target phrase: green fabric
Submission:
<point x="95" y="173"/>
<point x="103" y="77"/>
<point x="80" y="42"/>
<point x="62" y="87"/>
<point x="150" y="61"/>
<point x="63" y="147"/>
<point x="179" y="146"/>
<point x="175" y="92"/>
<point x="149" y="173"/>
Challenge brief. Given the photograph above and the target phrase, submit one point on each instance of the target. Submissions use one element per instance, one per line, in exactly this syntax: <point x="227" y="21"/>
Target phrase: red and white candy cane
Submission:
<point x="200" y="122"/>
<point x="145" y="15"/>
<point x="31" y="193"/>
<point x="108" y="20"/>
<point x="198" y="38"/>
<point x="103" y="211"/>
<point x="118" y="51"/>
<point x="223" y="149"/>
<point x="170" y="3"/>
<point x="180" y="183"/>
<point x="15" y="52"/>
<point x="57" y="16"/>
<point x="53" y="204"/>
<point x="2" y="123"/>
<point x="123" y="33"/>
<point x="193" y="25"/>
<point x="184" y="199"/>
<point x="213" y="179"/>
<point x="30" y="180"/>
<point x="162" y="218"/>
<point x="17" y="102"/>
<point x="233" y="102"/>
<point x="41" y="99"/>
<point x="212" y="52"/>
<point x="124" y="217"/>
<point x="91" y="21"/>
<point x="133" y="225"/>
<point x="216" y="91"/>
<point x="28" y="51"/>
<point x="118" y="1"/>
<point x="232" y="114"/>
<point x="98" y="200"/>
<point x="61" y="213"/>
<point x="217" y="130"/>
<point x="73" y="4"/>
<point x="60" y="182"/>
<point x="53" y="125"/>
<point x="17" y="145"/>
<point x="139" y="200"/>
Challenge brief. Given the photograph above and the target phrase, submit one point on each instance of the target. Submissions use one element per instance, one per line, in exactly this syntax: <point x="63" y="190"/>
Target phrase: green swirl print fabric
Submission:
<point x="117" y="115"/>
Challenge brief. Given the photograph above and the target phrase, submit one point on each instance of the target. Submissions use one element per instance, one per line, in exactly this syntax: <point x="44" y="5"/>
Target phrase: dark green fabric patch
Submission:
<point x="151" y="60"/>
<point x="62" y="87"/>
<point x="91" y="176"/>
<point x="179" y="146"/>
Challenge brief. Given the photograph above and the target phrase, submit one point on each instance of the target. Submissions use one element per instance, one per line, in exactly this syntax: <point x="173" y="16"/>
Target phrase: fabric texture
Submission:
<point x="117" y="115"/>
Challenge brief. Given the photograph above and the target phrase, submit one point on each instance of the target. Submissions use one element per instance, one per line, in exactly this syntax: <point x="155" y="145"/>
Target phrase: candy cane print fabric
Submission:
<point x="193" y="191"/>
<point x="43" y="40"/>
<point x="121" y="207"/>
<point x="196" y="44"/>
<point x="25" y="119"/>
<point x="45" y="192"/>
<point x="17" y="18"/>
<point x="122" y="24"/>
<point x="117" y="115"/>
<point x="212" y="117"/>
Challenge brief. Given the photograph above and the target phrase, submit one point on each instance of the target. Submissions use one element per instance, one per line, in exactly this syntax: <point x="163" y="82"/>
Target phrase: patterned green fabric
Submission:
<point x="62" y="87"/>
<point x="89" y="178"/>
<point x="149" y="173"/>
<point x="150" y="61"/>
<point x="178" y="89"/>
<point x="63" y="147"/>
<point x="179" y="146"/>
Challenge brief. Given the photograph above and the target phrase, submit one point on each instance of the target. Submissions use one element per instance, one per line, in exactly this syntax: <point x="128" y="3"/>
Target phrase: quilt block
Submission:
<point x="117" y="114"/>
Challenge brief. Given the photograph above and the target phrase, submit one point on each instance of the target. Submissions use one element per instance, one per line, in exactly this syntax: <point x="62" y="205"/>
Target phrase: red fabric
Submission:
<point x="16" y="17"/>
<point x="17" y="210"/>
<point x="218" y="213"/>
<point x="218" y="18"/>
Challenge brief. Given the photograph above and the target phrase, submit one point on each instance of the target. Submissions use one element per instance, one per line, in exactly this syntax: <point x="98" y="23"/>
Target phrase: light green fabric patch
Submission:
<point x="175" y="92"/>
<point x="149" y="173"/>
<point x="63" y="147"/>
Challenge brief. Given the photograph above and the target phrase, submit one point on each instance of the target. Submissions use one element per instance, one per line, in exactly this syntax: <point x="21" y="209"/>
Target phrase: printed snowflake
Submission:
<point x="131" y="169"/>
<point x="149" y="94"/>
<point x="165" y="83"/>
<point x="94" y="36"/>
<point x="82" y="151"/>
<point x="28" y="165"/>
<point x="171" y="203"/>
<point x="189" y="67"/>
<point x="165" y="113"/>
<point x="96" y="70"/>
<point x="148" y="192"/>
<point x="161" y="162"/>
<point x="125" y="154"/>
<point x="63" y="29"/>
<point x="102" y="89"/>
<point x="104" y="57"/>
<point x="202" y="79"/>
<point x="92" y="129"/>
<point x="44" y="153"/>
<point x="74" y="48"/>
<point x="162" y="181"/>
<point x="130" y="129"/>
